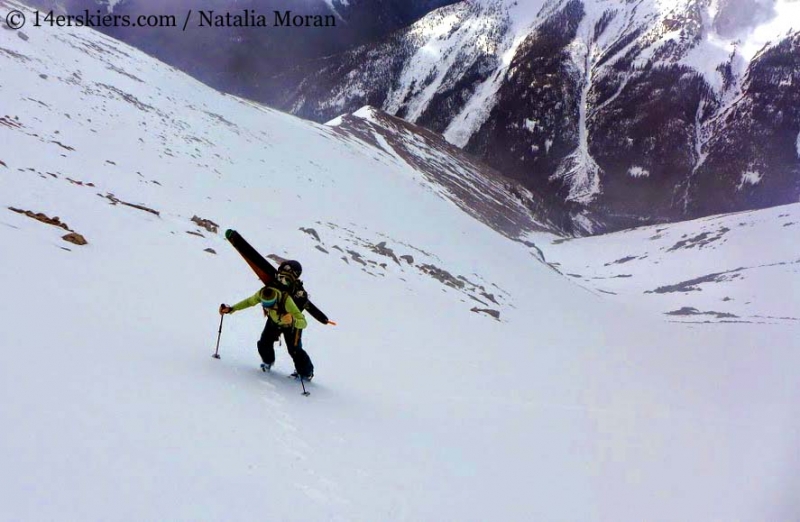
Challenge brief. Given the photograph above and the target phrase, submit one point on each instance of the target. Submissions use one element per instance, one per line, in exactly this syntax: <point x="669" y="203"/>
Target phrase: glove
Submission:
<point x="287" y="319"/>
<point x="225" y="309"/>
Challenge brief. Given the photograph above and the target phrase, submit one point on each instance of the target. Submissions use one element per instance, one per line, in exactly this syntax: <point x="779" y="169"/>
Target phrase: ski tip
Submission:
<point x="229" y="233"/>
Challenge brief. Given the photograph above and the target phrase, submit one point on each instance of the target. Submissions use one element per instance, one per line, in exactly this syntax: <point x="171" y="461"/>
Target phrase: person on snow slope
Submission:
<point x="282" y="303"/>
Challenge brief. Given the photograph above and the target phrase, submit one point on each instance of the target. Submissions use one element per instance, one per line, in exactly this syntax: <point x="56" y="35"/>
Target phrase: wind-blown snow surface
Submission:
<point x="740" y="267"/>
<point x="567" y="408"/>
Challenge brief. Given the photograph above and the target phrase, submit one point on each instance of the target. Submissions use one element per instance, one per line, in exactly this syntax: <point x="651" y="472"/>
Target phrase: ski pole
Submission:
<point x="219" y="335"/>
<point x="304" y="387"/>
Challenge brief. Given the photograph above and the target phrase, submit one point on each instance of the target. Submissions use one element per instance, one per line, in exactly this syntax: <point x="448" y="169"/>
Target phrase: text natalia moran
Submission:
<point x="250" y="18"/>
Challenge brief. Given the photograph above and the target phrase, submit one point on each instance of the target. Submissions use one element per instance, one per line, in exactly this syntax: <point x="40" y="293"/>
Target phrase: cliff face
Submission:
<point x="621" y="113"/>
<point x="752" y="158"/>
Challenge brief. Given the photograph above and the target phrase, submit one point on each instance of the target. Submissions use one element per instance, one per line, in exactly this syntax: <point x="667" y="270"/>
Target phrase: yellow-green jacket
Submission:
<point x="275" y="315"/>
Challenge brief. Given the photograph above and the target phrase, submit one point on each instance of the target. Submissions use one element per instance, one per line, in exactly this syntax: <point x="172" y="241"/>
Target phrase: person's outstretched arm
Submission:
<point x="247" y="303"/>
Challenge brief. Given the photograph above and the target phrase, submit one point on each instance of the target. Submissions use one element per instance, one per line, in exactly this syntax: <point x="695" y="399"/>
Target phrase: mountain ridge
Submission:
<point x="655" y="79"/>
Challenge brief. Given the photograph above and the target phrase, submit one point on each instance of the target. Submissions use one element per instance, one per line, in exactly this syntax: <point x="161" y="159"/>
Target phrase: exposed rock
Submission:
<point x="114" y="200"/>
<point x="487" y="311"/>
<point x="38" y="216"/>
<point x="693" y="285"/>
<point x="483" y="303"/>
<point x="311" y="232"/>
<point x="75" y="238"/>
<point x="66" y="147"/>
<point x="688" y="311"/>
<point x="11" y="123"/>
<point x="699" y="240"/>
<point x="74" y="181"/>
<point x="490" y="297"/>
<point x="72" y="237"/>
<point x="383" y="250"/>
<point x="442" y="276"/>
<point x="210" y="251"/>
<point x="133" y="100"/>
<point x="358" y="258"/>
<point x="621" y="261"/>
<point x="205" y="223"/>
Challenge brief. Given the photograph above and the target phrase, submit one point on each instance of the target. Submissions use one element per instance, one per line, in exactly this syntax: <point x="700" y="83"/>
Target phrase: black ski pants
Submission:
<point x="294" y="343"/>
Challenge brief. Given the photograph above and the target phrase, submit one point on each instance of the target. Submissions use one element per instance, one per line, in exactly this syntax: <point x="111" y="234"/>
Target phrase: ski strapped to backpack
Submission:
<point x="267" y="273"/>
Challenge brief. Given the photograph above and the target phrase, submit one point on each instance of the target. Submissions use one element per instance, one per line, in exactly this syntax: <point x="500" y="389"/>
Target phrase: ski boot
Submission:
<point x="306" y="378"/>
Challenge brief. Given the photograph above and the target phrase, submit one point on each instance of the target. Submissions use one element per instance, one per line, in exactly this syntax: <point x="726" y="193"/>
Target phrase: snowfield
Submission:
<point x="741" y="267"/>
<point x="571" y="405"/>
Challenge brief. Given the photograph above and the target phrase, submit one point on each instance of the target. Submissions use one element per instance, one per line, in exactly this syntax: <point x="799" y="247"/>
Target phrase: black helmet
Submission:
<point x="291" y="266"/>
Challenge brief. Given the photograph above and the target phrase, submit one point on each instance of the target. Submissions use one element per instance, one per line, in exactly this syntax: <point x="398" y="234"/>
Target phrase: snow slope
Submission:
<point x="740" y="267"/>
<point x="569" y="407"/>
<point x="502" y="203"/>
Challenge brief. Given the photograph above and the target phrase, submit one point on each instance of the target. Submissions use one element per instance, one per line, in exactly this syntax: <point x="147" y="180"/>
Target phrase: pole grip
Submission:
<point x="219" y="336"/>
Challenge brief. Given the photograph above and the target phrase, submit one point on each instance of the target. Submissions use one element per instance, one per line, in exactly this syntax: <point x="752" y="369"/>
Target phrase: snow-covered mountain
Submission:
<point x="629" y="112"/>
<point x="467" y="379"/>
<point x="504" y="204"/>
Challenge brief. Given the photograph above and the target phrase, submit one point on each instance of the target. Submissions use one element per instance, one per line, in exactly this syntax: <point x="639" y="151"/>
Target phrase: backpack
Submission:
<point x="292" y="286"/>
